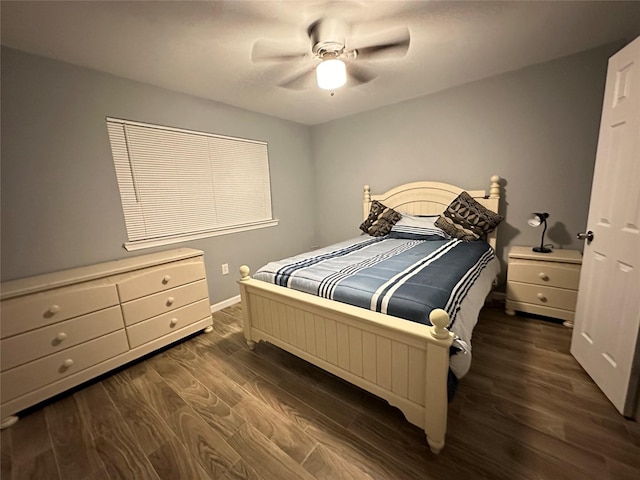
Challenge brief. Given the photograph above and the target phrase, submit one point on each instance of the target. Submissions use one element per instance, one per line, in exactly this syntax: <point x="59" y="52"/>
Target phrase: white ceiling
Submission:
<point x="204" y="48"/>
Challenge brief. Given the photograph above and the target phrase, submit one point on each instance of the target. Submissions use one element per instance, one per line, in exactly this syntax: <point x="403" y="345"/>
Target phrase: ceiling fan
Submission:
<point x="332" y="58"/>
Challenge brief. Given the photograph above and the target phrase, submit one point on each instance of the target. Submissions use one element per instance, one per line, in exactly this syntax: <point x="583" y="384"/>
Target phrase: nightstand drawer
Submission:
<point x="143" y="332"/>
<point x="153" y="305"/>
<point x="39" y="343"/>
<point x="544" y="273"/>
<point x="158" y="279"/>
<point x="26" y="378"/>
<point x="541" y="295"/>
<point x="41" y="309"/>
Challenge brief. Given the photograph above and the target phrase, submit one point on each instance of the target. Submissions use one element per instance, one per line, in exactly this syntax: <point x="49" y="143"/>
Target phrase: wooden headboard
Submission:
<point x="431" y="198"/>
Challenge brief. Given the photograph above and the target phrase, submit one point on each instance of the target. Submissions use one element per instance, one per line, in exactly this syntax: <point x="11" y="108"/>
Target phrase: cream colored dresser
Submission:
<point x="61" y="329"/>
<point x="543" y="283"/>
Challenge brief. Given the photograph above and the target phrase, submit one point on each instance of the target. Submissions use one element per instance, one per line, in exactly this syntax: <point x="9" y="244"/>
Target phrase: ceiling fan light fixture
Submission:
<point x="331" y="74"/>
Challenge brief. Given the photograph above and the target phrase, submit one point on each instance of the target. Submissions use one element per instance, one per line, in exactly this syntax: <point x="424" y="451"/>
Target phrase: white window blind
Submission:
<point x="177" y="184"/>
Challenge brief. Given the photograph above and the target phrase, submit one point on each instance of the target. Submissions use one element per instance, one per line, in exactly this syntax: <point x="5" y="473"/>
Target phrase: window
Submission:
<point x="178" y="185"/>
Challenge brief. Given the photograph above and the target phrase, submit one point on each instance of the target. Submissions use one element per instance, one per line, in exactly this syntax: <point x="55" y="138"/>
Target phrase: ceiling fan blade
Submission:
<point x="395" y="43"/>
<point x="359" y="75"/>
<point x="301" y="80"/>
<point x="276" y="51"/>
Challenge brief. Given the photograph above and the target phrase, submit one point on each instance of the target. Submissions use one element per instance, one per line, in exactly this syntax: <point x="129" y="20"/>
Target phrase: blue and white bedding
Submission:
<point x="403" y="277"/>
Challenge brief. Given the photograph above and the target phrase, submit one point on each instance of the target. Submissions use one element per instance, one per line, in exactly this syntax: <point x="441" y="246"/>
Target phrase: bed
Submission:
<point x="407" y="363"/>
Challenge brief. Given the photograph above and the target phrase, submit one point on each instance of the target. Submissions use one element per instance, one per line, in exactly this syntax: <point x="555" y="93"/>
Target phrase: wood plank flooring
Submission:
<point x="208" y="408"/>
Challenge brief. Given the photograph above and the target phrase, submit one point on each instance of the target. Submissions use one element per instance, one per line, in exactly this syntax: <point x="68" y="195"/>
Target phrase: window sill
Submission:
<point x="158" y="242"/>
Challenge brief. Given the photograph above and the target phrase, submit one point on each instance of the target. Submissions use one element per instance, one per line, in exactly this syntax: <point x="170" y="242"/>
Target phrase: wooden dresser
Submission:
<point x="543" y="283"/>
<point x="61" y="329"/>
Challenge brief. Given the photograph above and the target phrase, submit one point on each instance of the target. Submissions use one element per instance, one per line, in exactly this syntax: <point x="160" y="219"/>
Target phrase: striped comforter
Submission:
<point x="401" y="277"/>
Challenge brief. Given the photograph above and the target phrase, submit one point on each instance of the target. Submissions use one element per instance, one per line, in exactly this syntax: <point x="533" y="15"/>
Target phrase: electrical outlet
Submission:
<point x="225" y="268"/>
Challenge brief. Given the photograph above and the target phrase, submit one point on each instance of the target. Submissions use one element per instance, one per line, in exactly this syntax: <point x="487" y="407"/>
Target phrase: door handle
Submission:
<point x="586" y="236"/>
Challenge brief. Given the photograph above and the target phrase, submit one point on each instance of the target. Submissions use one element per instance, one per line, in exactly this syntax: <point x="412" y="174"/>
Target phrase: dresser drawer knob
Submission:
<point x="166" y="279"/>
<point x="54" y="309"/>
<point x="68" y="363"/>
<point x="543" y="276"/>
<point x="173" y="322"/>
<point x="61" y="336"/>
<point x="170" y="301"/>
<point x="541" y="297"/>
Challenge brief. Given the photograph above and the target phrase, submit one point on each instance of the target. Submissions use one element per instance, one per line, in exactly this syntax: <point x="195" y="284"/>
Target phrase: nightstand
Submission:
<point x="543" y="283"/>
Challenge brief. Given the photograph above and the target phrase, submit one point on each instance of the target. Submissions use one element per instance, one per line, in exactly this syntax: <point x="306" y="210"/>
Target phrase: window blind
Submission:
<point x="178" y="183"/>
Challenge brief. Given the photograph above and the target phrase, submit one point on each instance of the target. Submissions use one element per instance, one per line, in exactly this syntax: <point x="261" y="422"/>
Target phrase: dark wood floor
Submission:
<point x="209" y="408"/>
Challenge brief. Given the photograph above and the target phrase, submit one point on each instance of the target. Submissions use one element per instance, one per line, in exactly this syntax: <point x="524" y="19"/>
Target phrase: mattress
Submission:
<point x="403" y="277"/>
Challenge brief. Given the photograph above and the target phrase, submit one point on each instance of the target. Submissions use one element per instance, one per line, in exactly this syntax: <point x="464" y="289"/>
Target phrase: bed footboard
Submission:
<point x="405" y="363"/>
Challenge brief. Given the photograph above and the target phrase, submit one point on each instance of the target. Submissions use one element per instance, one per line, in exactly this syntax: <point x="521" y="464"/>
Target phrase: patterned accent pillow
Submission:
<point x="468" y="220"/>
<point x="380" y="220"/>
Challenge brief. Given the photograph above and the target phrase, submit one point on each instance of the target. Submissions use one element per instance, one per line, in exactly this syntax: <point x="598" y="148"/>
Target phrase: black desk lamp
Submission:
<point x="535" y="220"/>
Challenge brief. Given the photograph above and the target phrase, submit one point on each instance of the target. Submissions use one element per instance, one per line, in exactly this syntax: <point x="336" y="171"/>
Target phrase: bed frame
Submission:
<point x="403" y="362"/>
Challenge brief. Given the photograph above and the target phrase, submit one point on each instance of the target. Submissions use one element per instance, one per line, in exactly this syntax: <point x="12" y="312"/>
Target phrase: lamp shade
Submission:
<point x="537" y="218"/>
<point x="331" y="74"/>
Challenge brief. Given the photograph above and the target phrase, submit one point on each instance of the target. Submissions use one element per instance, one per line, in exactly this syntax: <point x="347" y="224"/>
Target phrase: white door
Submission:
<point x="607" y="320"/>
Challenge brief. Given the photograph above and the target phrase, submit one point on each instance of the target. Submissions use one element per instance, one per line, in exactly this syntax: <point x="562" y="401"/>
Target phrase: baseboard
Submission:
<point x="498" y="296"/>
<point x="225" y="303"/>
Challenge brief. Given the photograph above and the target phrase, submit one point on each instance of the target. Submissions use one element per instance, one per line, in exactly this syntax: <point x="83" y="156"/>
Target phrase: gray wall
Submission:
<point x="60" y="204"/>
<point x="537" y="128"/>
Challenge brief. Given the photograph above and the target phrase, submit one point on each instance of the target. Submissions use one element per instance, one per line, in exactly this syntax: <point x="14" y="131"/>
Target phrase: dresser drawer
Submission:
<point x="158" y="279"/>
<point x="156" y="327"/>
<point x="541" y="295"/>
<point x="153" y="305"/>
<point x="31" y="376"/>
<point x="544" y="273"/>
<point x="44" y="341"/>
<point x="41" y="309"/>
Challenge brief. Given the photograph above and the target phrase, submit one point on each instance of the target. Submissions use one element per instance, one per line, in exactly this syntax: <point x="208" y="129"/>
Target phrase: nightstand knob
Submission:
<point x="61" y="336"/>
<point x="54" y="309"/>
<point x="170" y="301"/>
<point x="543" y="276"/>
<point x="173" y="322"/>
<point x="166" y="279"/>
<point x="541" y="297"/>
<point x="68" y="363"/>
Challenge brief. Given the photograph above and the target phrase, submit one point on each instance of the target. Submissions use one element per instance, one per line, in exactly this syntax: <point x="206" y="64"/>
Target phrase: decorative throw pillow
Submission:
<point x="467" y="219"/>
<point x="380" y="220"/>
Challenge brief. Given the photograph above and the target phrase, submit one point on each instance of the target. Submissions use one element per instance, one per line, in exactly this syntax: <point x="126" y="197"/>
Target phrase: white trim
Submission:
<point x="158" y="242"/>
<point x="225" y="303"/>
<point x="497" y="296"/>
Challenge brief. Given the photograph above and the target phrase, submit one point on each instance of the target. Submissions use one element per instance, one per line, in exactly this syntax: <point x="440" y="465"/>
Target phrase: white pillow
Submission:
<point x="418" y="228"/>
